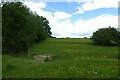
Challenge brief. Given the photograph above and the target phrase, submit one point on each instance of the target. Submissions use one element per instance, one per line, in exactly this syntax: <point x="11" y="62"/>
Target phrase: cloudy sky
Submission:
<point x="76" y="18"/>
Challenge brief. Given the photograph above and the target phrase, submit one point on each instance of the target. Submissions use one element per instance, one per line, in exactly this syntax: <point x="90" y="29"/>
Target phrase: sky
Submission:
<point x="76" y="18"/>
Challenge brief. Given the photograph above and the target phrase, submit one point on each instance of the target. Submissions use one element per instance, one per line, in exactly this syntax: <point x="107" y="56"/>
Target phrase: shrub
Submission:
<point x="106" y="36"/>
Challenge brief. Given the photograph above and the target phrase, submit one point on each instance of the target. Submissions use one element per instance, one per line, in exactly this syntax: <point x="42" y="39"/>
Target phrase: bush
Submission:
<point x="106" y="36"/>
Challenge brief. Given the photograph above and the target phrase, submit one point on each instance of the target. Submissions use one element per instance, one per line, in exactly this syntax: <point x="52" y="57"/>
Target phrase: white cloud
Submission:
<point x="38" y="7"/>
<point x="61" y="26"/>
<point x="102" y="21"/>
<point x="57" y="19"/>
<point x="97" y="4"/>
<point x="82" y="28"/>
<point x="62" y="15"/>
<point x="35" y="6"/>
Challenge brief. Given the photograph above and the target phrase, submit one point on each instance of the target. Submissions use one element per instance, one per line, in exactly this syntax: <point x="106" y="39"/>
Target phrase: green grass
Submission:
<point x="0" y="66"/>
<point x="72" y="58"/>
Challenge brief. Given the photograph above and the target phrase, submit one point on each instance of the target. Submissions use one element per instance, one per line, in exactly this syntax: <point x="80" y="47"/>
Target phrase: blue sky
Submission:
<point x="76" y="19"/>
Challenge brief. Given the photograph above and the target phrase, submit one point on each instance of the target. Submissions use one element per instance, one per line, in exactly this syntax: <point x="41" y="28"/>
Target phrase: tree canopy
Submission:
<point x="106" y="36"/>
<point x="21" y="28"/>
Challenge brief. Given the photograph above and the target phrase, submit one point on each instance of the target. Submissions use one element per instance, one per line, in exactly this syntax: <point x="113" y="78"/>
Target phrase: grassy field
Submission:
<point x="72" y="58"/>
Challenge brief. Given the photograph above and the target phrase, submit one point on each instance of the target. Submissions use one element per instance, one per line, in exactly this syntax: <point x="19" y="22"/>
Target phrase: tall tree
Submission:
<point x="45" y="25"/>
<point x="22" y="27"/>
<point x="14" y="27"/>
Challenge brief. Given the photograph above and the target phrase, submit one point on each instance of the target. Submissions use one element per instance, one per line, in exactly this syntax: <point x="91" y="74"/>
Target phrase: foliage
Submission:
<point x="106" y="36"/>
<point x="21" y="28"/>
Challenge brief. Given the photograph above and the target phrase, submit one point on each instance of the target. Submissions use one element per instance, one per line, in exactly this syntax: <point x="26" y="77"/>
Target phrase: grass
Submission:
<point x="0" y="66"/>
<point x="72" y="58"/>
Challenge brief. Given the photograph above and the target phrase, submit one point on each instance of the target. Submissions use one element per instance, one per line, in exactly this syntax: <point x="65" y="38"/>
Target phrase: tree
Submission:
<point x="14" y="27"/>
<point x="39" y="26"/>
<point x="106" y="36"/>
<point x="21" y="28"/>
<point x="45" y="25"/>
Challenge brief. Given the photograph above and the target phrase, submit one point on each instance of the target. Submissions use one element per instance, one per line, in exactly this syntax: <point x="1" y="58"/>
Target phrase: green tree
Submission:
<point x="14" y="27"/>
<point x="106" y="36"/>
<point x="41" y="34"/>
<point x="21" y="28"/>
<point x="45" y="25"/>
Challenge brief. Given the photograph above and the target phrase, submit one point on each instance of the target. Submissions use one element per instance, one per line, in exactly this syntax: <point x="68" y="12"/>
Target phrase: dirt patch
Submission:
<point x="42" y="58"/>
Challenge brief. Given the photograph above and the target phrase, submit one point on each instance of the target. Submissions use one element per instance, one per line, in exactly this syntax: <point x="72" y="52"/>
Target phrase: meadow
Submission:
<point x="72" y="58"/>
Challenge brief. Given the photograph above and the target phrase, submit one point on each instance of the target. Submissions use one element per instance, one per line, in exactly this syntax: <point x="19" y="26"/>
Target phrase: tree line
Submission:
<point x="21" y="28"/>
